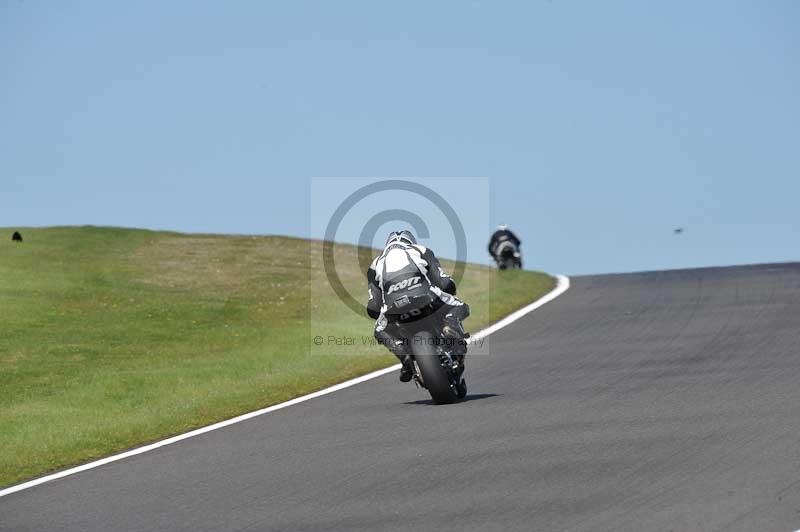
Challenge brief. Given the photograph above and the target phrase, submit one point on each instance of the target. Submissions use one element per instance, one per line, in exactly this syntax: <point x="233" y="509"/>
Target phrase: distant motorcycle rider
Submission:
<point x="403" y="258"/>
<point x="501" y="235"/>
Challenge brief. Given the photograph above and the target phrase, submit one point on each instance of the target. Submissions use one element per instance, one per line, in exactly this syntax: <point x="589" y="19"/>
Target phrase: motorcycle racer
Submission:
<point x="404" y="271"/>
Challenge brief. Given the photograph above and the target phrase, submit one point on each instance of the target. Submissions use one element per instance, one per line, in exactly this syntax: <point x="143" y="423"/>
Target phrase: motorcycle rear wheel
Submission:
<point x="434" y="375"/>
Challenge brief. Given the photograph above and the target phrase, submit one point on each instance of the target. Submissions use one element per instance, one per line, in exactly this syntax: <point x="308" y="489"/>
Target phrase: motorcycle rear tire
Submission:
<point x="434" y="375"/>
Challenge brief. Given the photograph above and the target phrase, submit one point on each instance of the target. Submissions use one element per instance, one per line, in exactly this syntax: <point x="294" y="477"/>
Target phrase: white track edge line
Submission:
<point x="562" y="284"/>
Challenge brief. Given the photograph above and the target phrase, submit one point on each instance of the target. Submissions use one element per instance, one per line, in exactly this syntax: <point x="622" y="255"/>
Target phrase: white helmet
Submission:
<point x="401" y="236"/>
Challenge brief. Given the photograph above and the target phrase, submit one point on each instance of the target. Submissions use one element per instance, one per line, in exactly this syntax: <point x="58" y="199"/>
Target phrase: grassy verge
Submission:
<point x="110" y="338"/>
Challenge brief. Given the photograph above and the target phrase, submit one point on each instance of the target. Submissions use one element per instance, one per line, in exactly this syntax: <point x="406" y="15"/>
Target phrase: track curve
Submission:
<point x="649" y="401"/>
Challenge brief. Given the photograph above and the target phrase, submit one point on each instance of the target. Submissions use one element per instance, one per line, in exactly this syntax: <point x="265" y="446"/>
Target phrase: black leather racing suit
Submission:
<point x="453" y="309"/>
<point x="500" y="236"/>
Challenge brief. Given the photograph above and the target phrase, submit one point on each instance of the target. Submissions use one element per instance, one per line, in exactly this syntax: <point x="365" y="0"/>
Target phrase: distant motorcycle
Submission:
<point x="507" y="256"/>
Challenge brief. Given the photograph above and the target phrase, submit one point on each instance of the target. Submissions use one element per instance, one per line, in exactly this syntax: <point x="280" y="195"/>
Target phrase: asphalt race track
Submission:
<point x="651" y="401"/>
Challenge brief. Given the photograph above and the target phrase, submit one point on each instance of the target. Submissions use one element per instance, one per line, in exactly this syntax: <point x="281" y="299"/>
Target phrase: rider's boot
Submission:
<point x="399" y="348"/>
<point x="407" y="371"/>
<point x="453" y="330"/>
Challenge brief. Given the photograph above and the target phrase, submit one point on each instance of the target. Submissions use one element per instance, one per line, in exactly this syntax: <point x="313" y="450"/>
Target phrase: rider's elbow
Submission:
<point x="450" y="287"/>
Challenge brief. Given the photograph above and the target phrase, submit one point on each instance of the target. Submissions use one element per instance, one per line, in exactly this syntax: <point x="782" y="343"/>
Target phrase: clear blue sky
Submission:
<point x="602" y="125"/>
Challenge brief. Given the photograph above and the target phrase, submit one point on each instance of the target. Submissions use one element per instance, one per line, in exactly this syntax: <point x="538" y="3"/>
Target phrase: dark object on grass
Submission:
<point x="16" y="237"/>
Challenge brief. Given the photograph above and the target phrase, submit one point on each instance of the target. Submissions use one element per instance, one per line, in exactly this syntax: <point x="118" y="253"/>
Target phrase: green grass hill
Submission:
<point x="111" y="338"/>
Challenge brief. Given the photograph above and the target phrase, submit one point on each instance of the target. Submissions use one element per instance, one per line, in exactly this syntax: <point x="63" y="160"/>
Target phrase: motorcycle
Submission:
<point x="438" y="362"/>
<point x="507" y="256"/>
